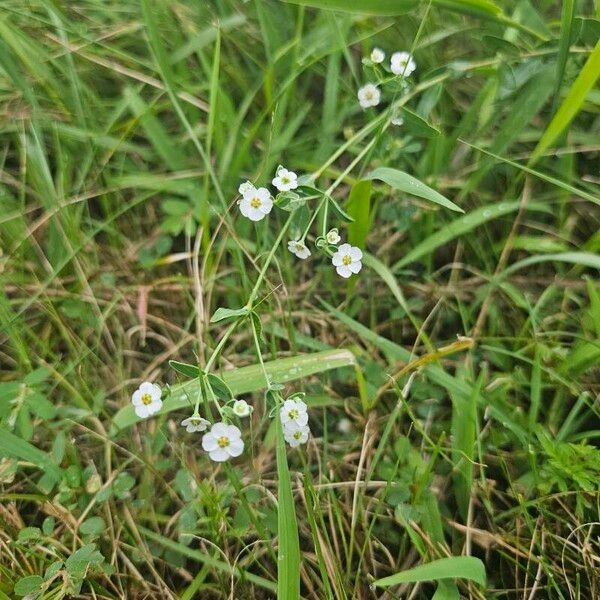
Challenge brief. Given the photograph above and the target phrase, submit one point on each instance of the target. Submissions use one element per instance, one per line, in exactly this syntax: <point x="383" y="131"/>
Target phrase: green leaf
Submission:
<point x="93" y="526"/>
<point x="359" y="207"/>
<point x="584" y="259"/>
<point x="455" y="567"/>
<point x="289" y="201"/>
<point x="245" y="380"/>
<point x="459" y="227"/>
<point x="78" y="563"/>
<point x="190" y="371"/>
<point x="339" y="210"/>
<point x="13" y="446"/>
<point x="228" y="313"/>
<point x="417" y="125"/>
<point x="566" y="33"/>
<point x="363" y="7"/>
<point x="29" y="533"/>
<point x="288" y="552"/>
<point x="572" y="103"/>
<point x="29" y="585"/>
<point x="410" y="185"/>
<point x="219" y="387"/>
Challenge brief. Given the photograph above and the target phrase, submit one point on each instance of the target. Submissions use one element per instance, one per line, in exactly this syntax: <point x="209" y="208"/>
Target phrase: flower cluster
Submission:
<point x="256" y="203"/>
<point x="402" y="65"/>
<point x="223" y="440"/>
<point x="294" y="419"/>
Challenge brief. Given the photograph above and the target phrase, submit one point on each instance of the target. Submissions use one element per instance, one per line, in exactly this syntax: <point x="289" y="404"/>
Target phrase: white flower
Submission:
<point x="285" y="180"/>
<point x="222" y="442"/>
<point x="377" y="55"/>
<point x="195" y="423"/>
<point x="293" y="411"/>
<point x="299" y="249"/>
<point x="347" y="260"/>
<point x="403" y="63"/>
<point x="333" y="237"/>
<point x="295" y="434"/>
<point x="146" y="400"/>
<point x="256" y="203"/>
<point x="369" y="95"/>
<point x="242" y="409"/>
<point x="397" y="120"/>
<point x="246" y="187"/>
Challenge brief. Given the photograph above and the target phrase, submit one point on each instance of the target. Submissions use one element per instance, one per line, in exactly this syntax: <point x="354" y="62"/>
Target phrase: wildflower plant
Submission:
<point x="216" y="413"/>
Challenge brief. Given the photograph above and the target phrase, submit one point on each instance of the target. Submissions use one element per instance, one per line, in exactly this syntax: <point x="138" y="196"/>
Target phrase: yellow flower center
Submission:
<point x="146" y="399"/>
<point x="369" y="95"/>
<point x="347" y="260"/>
<point x="195" y="422"/>
<point x="223" y="441"/>
<point x="293" y="414"/>
<point x="255" y="202"/>
<point x="297" y="435"/>
<point x="285" y="179"/>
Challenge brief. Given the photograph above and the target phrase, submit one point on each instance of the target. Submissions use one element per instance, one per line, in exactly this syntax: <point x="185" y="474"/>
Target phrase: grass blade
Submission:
<point x="459" y="227"/>
<point x="572" y="103"/>
<point x="248" y="379"/>
<point x="288" y="553"/>
<point x="455" y="567"/>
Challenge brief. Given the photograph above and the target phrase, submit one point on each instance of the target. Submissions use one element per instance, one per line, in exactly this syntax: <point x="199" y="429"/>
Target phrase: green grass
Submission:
<point x="439" y="466"/>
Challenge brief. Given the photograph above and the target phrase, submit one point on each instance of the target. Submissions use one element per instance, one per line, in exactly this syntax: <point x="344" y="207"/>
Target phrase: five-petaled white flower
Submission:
<point x="146" y="400"/>
<point x="402" y="63"/>
<point x="377" y="55"/>
<point x="285" y="180"/>
<point x="222" y="442"/>
<point x="195" y="423"/>
<point x="246" y="187"/>
<point x="347" y="260"/>
<point x="333" y="237"/>
<point x="295" y="434"/>
<point x="369" y="95"/>
<point x="298" y="248"/>
<point x="242" y="409"/>
<point x="256" y="203"/>
<point x="293" y="411"/>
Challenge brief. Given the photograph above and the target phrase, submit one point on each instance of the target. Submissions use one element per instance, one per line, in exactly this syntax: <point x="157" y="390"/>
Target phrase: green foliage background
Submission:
<point x="126" y="128"/>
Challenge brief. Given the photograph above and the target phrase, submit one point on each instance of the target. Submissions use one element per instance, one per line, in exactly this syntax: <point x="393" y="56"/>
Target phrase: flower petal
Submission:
<point x="146" y="388"/>
<point x="355" y="267"/>
<point x="233" y="433"/>
<point x="209" y="442"/>
<point x="219" y="455"/>
<point x="255" y="214"/>
<point x="136" y="398"/>
<point x="142" y="411"/>
<point x="154" y="407"/>
<point x="219" y="429"/>
<point x="236" y="447"/>
<point x="344" y="271"/>
<point x="355" y="253"/>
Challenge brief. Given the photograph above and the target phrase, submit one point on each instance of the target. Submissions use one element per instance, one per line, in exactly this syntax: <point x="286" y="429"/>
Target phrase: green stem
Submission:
<point x="220" y="345"/>
<point x="263" y="271"/>
<point x="259" y="353"/>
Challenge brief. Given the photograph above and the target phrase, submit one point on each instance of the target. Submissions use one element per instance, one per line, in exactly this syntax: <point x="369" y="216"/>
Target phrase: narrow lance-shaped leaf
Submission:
<point x="245" y="380"/>
<point x="404" y="182"/>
